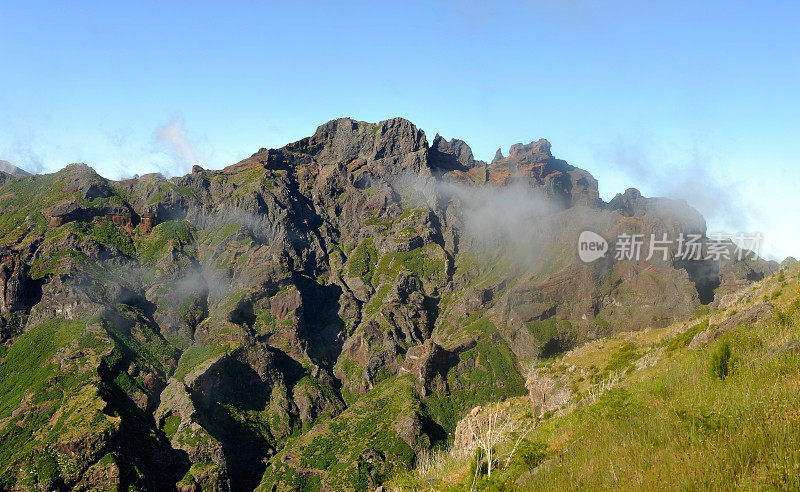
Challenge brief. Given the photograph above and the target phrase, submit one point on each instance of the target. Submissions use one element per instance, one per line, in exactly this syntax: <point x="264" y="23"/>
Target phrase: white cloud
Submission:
<point x="175" y="142"/>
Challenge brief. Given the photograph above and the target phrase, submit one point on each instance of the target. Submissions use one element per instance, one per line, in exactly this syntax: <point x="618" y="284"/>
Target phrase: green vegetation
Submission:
<point x="165" y="187"/>
<point x="525" y="458"/>
<point x="494" y="376"/>
<point x="378" y="221"/>
<point x="603" y="326"/>
<point x="621" y="362"/>
<point x="146" y="349"/>
<point x="478" y="326"/>
<point x="337" y="446"/>
<point x="178" y="233"/>
<point x="682" y="340"/>
<point x="170" y="425"/>
<point x="352" y="371"/>
<point x="362" y="261"/>
<point x="50" y="265"/>
<point x="47" y="402"/>
<point x="376" y="300"/>
<point x="429" y="262"/>
<point x="721" y="363"/>
<point x="555" y="336"/>
<point x="196" y="355"/>
<point x="407" y="233"/>
<point x="265" y="321"/>
<point x="109" y="234"/>
<point x="679" y="424"/>
<point x="25" y="198"/>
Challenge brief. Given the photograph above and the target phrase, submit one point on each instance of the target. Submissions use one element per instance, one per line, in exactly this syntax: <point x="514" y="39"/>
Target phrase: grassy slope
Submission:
<point x="679" y="424"/>
<point x="336" y="447"/>
<point x="669" y="422"/>
<point x="66" y="407"/>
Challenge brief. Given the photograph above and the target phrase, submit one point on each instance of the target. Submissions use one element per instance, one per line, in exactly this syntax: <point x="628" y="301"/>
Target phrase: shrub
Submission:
<point x="529" y="455"/>
<point x="170" y="425"/>
<point x="603" y="327"/>
<point x="722" y="362"/>
<point x="782" y="317"/>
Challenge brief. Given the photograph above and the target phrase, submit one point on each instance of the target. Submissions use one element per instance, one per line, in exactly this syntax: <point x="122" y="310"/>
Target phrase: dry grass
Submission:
<point x="681" y="427"/>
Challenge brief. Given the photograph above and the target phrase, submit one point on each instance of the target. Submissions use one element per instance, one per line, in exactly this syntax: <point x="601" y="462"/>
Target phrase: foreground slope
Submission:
<point x="709" y="404"/>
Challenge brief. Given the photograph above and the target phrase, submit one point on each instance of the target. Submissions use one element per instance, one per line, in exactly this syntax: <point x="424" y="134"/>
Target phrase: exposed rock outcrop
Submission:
<point x="547" y="392"/>
<point x="16" y="288"/>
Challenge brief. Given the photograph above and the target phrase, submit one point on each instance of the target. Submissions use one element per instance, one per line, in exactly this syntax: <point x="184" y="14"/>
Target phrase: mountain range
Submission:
<point x="313" y="317"/>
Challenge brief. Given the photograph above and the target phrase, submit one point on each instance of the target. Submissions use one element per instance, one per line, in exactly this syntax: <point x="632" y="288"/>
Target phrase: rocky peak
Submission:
<point x="633" y="204"/>
<point x="556" y="178"/>
<point x="455" y="150"/>
<point x="538" y="151"/>
<point x="14" y="282"/>
<point x="498" y="156"/>
<point x="301" y="270"/>
<point x="629" y="202"/>
<point x="452" y="155"/>
<point x="344" y="139"/>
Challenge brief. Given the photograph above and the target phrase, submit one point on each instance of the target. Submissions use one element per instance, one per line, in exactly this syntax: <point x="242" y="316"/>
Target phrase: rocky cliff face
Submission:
<point x="312" y="316"/>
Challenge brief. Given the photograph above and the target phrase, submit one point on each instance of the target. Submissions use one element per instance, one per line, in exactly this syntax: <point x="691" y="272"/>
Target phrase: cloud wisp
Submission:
<point x="720" y="202"/>
<point x="174" y="141"/>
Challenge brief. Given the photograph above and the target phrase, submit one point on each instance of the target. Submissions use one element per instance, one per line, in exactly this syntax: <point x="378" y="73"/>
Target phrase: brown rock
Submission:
<point x="546" y="392"/>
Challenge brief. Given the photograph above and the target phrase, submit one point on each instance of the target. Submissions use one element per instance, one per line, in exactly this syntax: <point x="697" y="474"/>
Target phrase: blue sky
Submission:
<point x="697" y="100"/>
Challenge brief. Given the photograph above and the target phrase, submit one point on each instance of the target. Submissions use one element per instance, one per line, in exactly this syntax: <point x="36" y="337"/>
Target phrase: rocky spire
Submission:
<point x="454" y="152"/>
<point x="498" y="156"/>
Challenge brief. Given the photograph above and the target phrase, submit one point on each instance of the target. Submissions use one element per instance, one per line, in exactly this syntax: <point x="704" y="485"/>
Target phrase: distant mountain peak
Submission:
<point x="13" y="170"/>
<point x="456" y="149"/>
<point x="498" y="156"/>
<point x="535" y="151"/>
